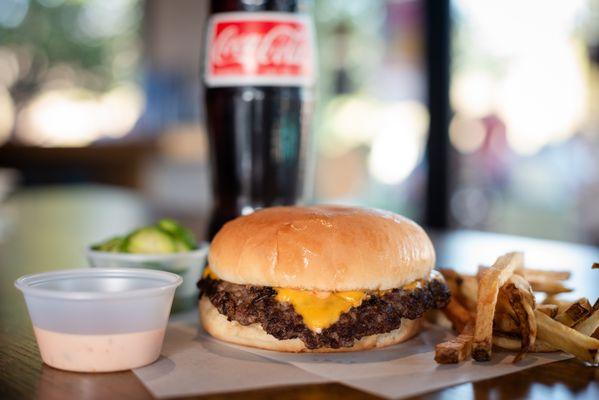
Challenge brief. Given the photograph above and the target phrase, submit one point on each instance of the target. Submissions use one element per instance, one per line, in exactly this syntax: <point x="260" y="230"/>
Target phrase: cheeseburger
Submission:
<point x="320" y="279"/>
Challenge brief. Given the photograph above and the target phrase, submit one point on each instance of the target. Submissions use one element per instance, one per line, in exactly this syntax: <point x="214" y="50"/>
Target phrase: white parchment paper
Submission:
<point x="196" y="365"/>
<point x="406" y="369"/>
<point x="193" y="363"/>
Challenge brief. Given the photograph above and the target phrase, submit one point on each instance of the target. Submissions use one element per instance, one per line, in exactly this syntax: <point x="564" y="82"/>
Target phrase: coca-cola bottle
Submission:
<point x="259" y="72"/>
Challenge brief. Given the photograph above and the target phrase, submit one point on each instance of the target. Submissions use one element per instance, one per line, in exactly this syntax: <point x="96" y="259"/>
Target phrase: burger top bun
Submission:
<point x="324" y="248"/>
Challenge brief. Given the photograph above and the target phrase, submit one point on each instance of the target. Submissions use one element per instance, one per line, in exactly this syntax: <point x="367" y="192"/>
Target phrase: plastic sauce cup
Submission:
<point x="99" y="319"/>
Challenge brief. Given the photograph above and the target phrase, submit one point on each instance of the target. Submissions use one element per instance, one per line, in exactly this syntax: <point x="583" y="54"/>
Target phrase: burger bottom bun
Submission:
<point x="253" y="335"/>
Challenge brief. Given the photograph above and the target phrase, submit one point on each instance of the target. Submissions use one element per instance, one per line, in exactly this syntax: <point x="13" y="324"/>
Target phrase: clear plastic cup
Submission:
<point x="99" y="319"/>
<point x="189" y="265"/>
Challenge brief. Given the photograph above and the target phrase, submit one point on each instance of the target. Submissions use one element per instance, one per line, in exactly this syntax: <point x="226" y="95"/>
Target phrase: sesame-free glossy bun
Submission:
<point x="217" y="325"/>
<point x="325" y="248"/>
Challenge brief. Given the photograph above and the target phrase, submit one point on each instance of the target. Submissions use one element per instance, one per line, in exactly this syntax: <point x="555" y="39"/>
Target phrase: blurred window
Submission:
<point x="525" y="134"/>
<point x="372" y="121"/>
<point x="67" y="70"/>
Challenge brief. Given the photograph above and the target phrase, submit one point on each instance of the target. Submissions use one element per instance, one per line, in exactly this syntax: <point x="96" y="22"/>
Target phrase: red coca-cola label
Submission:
<point x="269" y="48"/>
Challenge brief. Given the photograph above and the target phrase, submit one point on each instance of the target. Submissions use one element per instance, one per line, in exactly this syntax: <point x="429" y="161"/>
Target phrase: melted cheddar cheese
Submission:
<point x="209" y="274"/>
<point x="417" y="284"/>
<point x="320" y="310"/>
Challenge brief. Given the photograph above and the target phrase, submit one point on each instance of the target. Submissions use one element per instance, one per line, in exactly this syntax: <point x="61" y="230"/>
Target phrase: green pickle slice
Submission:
<point x="186" y="240"/>
<point x="167" y="236"/>
<point x="150" y="240"/>
<point x="112" y="245"/>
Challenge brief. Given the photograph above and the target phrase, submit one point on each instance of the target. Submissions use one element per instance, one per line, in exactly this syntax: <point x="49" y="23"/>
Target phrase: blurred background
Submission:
<point x="100" y="99"/>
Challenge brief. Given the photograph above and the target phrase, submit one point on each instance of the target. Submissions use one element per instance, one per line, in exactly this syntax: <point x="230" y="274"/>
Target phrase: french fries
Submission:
<point x="553" y="300"/>
<point x="515" y="344"/>
<point x="575" y="312"/>
<point x="463" y="288"/>
<point x="456" y="349"/>
<point x="522" y="301"/>
<point x="497" y="307"/>
<point x="566" y="339"/>
<point x="589" y="326"/>
<point x="503" y="305"/>
<point x="505" y="323"/>
<point x="549" y="287"/>
<point x="457" y="314"/>
<point x="524" y="287"/>
<point x="452" y="278"/>
<point x="436" y="317"/>
<point x="468" y="293"/>
<point x="489" y="283"/>
<point x="549" y="309"/>
<point x="544" y="281"/>
<point x="531" y="274"/>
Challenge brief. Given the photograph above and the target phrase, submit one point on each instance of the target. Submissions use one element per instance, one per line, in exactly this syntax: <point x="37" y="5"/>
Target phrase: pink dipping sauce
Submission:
<point x="99" y="353"/>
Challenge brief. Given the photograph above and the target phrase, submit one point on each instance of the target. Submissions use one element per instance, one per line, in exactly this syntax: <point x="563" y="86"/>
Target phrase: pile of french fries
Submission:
<point x="497" y="307"/>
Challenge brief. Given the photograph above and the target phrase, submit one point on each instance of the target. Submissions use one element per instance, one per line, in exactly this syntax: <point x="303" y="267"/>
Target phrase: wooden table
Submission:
<point x="47" y="229"/>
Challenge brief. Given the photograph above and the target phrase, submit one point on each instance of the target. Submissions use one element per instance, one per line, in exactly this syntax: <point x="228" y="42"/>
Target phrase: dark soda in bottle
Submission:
<point x="259" y="72"/>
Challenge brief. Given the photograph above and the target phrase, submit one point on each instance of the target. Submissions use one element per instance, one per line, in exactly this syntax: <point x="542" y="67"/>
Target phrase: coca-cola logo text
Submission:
<point x="259" y="48"/>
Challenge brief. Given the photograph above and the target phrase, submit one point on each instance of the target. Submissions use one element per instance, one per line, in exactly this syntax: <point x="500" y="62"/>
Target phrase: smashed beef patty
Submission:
<point x="378" y="313"/>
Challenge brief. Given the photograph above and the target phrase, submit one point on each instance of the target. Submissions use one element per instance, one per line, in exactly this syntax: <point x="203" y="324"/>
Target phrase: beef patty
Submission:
<point x="379" y="312"/>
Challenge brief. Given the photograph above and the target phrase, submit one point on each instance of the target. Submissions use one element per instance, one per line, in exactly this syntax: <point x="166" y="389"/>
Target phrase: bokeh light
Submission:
<point x="119" y="109"/>
<point x="13" y="12"/>
<point x="77" y="117"/>
<point x="7" y="113"/>
<point x="507" y="28"/>
<point x="58" y="118"/>
<point x="467" y="135"/>
<point x="350" y="121"/>
<point x="530" y="75"/>
<point x="543" y="98"/>
<point x="469" y="206"/>
<point x="394" y="131"/>
<point x="107" y="18"/>
<point x="398" y="145"/>
<point x="473" y="93"/>
<point x="9" y="67"/>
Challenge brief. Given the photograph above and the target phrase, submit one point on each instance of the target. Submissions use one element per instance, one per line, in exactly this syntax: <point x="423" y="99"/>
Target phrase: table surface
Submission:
<point x="46" y="229"/>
